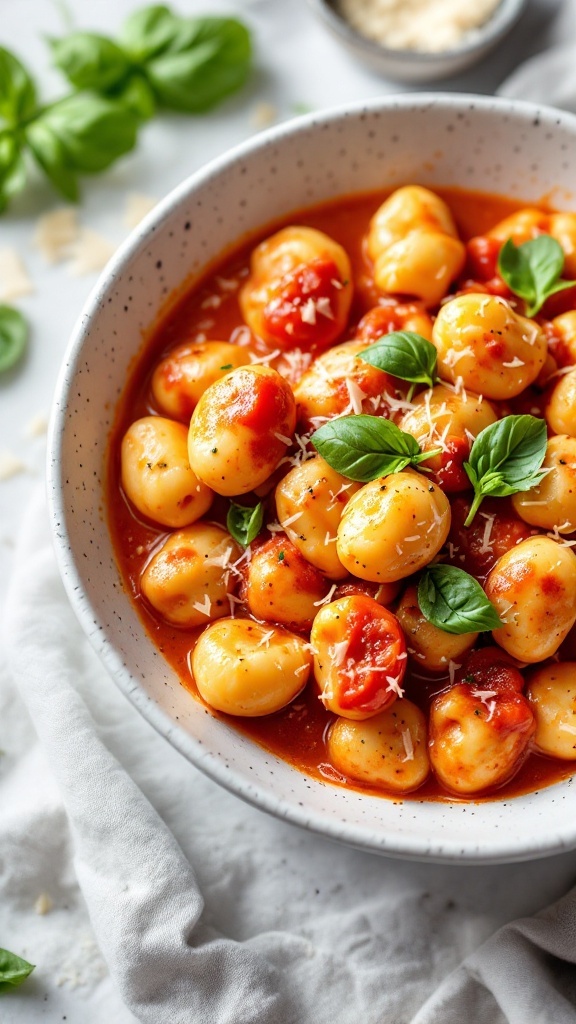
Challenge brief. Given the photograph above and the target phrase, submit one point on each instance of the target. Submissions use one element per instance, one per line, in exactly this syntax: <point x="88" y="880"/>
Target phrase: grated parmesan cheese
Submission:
<point x="90" y="252"/>
<point x="14" y="279"/>
<point x="56" y="232"/>
<point x="10" y="465"/>
<point x="408" y="745"/>
<point x="136" y="207"/>
<point x="429" y="26"/>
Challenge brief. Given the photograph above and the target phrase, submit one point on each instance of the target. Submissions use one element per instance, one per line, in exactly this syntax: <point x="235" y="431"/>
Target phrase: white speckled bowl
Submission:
<point x="510" y="148"/>
<point x="417" y="65"/>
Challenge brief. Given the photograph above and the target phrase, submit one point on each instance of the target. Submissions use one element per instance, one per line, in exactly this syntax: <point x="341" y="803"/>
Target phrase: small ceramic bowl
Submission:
<point x="418" y="66"/>
<point x="492" y="145"/>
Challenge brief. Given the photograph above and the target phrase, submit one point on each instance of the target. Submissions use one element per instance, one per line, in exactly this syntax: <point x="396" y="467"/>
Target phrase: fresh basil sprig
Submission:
<point x="244" y="523"/>
<point x="506" y="458"/>
<point x="13" y="970"/>
<point x="366" y="447"/>
<point x="13" y="337"/>
<point x="160" y="58"/>
<point x="406" y="355"/>
<point x="532" y="270"/>
<point x="454" y="601"/>
<point x="80" y="134"/>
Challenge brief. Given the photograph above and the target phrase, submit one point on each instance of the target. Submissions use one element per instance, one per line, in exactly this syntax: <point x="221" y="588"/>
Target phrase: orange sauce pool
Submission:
<point x="211" y="311"/>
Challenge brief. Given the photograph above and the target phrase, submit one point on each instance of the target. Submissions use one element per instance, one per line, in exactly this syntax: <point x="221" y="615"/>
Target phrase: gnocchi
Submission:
<point x="157" y="476"/>
<point x="243" y="668"/>
<point x="282" y="580"/>
<point x="299" y="290"/>
<point x="241" y="428"/>
<point x="485" y="344"/>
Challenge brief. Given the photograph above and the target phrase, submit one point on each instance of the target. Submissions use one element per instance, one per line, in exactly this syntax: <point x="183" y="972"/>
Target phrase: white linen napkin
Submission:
<point x="207" y="911"/>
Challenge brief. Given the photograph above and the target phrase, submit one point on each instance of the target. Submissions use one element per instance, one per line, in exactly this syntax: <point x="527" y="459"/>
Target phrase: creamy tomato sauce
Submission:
<point x="211" y="311"/>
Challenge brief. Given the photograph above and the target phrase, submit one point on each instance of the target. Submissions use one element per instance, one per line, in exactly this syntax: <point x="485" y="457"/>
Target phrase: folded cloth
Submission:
<point x="289" y="929"/>
<point x="549" y="77"/>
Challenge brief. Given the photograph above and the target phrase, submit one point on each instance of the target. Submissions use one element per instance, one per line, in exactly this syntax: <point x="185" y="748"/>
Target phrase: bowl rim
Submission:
<point x="491" y="31"/>
<point x="497" y="848"/>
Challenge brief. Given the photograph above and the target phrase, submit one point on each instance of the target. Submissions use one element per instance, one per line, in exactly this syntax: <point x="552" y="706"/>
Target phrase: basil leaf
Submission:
<point x="404" y="354"/>
<point x="12" y="168"/>
<point x="243" y="523"/>
<point x="13" y="337"/>
<point x="13" y="970"/>
<point x="90" y="61"/>
<point x="149" y="31"/>
<point x="366" y="447"/>
<point x="454" y="601"/>
<point x="506" y="458"/>
<point x="208" y="61"/>
<point x="532" y="270"/>
<point x="17" y="90"/>
<point x="51" y="156"/>
<point x="137" y="96"/>
<point x="83" y="133"/>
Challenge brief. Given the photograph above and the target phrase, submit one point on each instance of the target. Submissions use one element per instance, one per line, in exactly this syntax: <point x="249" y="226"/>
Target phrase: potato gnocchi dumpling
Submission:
<point x="359" y="657"/>
<point x="393" y="316"/>
<point x="552" y="504"/>
<point x="478" y="738"/>
<point x="560" y="410"/>
<point x="533" y="588"/>
<point x="483" y="342"/>
<point x="407" y="209"/>
<point x="188" y="580"/>
<point x="310" y="500"/>
<point x="181" y="378"/>
<point x="428" y="646"/>
<point x="244" y="668"/>
<point x="338" y="382"/>
<point x="156" y="473"/>
<point x="551" y="693"/>
<point x="241" y="428"/>
<point x="441" y="418"/>
<point x="281" y="586"/>
<point x="299" y="290"/>
<point x="423" y="263"/>
<point x="392" y="527"/>
<point x="387" y="751"/>
<point x="305" y="584"/>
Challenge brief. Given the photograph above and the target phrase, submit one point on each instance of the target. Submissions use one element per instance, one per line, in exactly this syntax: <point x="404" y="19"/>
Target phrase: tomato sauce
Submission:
<point x="211" y="311"/>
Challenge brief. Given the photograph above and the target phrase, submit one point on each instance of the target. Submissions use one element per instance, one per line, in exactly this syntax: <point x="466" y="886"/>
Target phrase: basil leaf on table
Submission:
<point x="406" y="355"/>
<point x="532" y="270"/>
<point x="13" y="337"/>
<point x="364" y="447"/>
<point x="12" y="168"/>
<point x="209" y="60"/>
<point x="506" y="458"/>
<point x="83" y="133"/>
<point x="13" y="970"/>
<point x="17" y="90"/>
<point x="90" y="61"/>
<point x="244" y="523"/>
<point x="149" y="31"/>
<point x="454" y="601"/>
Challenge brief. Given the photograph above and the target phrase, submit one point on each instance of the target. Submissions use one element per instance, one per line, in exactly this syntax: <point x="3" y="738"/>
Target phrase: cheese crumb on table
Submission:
<point x="136" y="208"/>
<point x="14" y="279"/>
<point x="91" y="251"/>
<point x="43" y="904"/>
<point x="56" y="232"/>
<point x="10" y="465"/>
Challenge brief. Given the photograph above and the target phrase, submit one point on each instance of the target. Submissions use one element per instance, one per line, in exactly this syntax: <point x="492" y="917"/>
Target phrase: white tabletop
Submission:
<point x="298" y="65"/>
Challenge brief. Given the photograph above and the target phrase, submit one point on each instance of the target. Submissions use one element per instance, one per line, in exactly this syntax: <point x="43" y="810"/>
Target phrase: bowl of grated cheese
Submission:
<point x="419" y="40"/>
